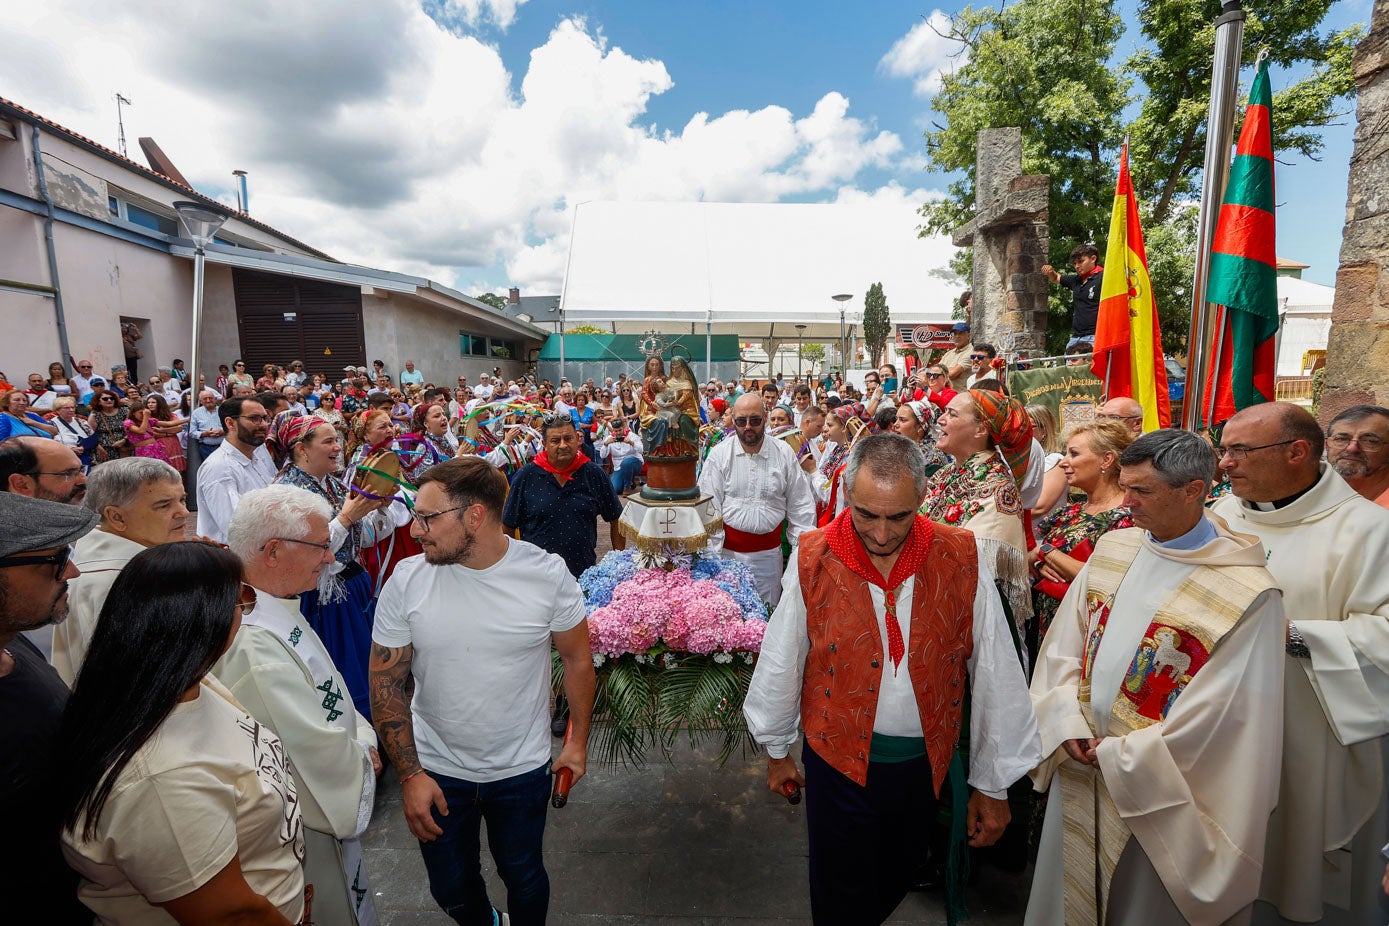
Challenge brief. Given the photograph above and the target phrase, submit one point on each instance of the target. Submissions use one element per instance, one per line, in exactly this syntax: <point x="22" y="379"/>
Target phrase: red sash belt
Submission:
<point x="742" y="542"/>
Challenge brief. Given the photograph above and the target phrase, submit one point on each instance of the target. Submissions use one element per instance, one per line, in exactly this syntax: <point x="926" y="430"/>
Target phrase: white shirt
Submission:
<point x="482" y="673"/>
<point x="225" y="476"/>
<point x="619" y="450"/>
<point x="483" y="391"/>
<point x="1004" y="742"/>
<point x="754" y="492"/>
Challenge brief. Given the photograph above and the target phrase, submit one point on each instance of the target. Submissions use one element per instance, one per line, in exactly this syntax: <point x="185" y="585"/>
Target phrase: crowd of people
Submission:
<point x="379" y="567"/>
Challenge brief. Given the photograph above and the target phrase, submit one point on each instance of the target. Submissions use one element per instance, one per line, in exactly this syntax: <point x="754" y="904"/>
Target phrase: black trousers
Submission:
<point x="864" y="841"/>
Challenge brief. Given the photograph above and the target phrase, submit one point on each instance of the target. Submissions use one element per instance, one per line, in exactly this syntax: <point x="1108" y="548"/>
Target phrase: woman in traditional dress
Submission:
<point x="1054" y="481"/>
<point x="989" y="439"/>
<point x="431" y="423"/>
<point x="842" y="428"/>
<point x="373" y="434"/>
<point x="340" y="610"/>
<point x="519" y="443"/>
<point x="1066" y="536"/>
<point x="917" y="421"/>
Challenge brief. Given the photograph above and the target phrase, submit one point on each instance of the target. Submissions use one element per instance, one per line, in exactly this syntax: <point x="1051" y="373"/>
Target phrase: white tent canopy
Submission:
<point x="1305" y="310"/>
<point x="752" y="269"/>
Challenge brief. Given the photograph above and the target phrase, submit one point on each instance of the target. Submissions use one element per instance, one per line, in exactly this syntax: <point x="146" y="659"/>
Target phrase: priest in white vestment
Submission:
<point x="1158" y="692"/>
<point x="756" y="484"/>
<point x="280" y="672"/>
<point x="1329" y="550"/>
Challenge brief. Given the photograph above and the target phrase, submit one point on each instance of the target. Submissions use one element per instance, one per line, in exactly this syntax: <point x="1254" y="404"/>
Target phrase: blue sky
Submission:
<point x="453" y="138"/>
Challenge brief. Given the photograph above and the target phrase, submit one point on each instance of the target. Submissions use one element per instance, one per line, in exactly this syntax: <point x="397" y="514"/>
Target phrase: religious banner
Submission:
<point x="1071" y="392"/>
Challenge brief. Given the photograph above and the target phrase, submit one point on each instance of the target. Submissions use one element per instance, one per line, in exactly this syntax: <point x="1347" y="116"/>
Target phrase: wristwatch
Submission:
<point x="1296" y="646"/>
<point x="1043" y="549"/>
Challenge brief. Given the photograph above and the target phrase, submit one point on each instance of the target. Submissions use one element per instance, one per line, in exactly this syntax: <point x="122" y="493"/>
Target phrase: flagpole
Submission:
<point x="1220" y="128"/>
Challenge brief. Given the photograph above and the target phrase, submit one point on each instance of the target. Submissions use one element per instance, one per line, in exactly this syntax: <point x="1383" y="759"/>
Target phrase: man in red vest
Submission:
<point x="869" y="660"/>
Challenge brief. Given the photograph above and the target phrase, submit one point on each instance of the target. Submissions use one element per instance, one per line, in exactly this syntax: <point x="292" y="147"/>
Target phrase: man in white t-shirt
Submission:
<point x="460" y="695"/>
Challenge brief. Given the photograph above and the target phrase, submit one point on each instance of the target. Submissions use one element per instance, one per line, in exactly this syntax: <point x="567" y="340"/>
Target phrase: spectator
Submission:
<point x="205" y="425"/>
<point x="1048" y="436"/>
<point x="980" y="365"/>
<point x="410" y="375"/>
<point x="1078" y="353"/>
<point x="1124" y="410"/>
<point x="293" y="402"/>
<point x="955" y="361"/>
<point x="81" y="383"/>
<point x="222" y="384"/>
<point x="241" y="464"/>
<point x="108" y="421"/>
<point x="163" y="803"/>
<point x="267" y="381"/>
<point x="40" y="394"/>
<point x="1366" y="468"/>
<point x="1085" y="285"/>
<point x="278" y="668"/>
<point x="35" y="538"/>
<point x="140" y="503"/>
<point x="296" y="376"/>
<point x="130" y="334"/>
<point x="239" y="376"/>
<point x="179" y="373"/>
<point x="73" y="431"/>
<point x="58" y="379"/>
<point x="41" y="468"/>
<point x="169" y="386"/>
<point x="622" y="448"/>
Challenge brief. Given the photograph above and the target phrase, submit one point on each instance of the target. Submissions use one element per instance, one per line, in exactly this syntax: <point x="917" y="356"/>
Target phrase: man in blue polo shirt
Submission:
<point x="556" y="500"/>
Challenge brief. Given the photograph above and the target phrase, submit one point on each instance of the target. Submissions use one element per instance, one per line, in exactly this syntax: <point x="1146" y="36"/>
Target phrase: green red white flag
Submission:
<point x="1128" y="341"/>
<point x="1243" y="280"/>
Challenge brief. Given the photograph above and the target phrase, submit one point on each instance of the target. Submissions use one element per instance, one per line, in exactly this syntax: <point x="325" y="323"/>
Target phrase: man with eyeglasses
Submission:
<point x="756" y="485"/>
<point x="41" y="468"/>
<point x="141" y="503"/>
<point x="242" y="464"/>
<point x="1326" y="548"/>
<point x="1357" y="447"/>
<point x="283" y="675"/>
<point x="35" y="567"/>
<point x="1125" y="410"/>
<point x="460" y="694"/>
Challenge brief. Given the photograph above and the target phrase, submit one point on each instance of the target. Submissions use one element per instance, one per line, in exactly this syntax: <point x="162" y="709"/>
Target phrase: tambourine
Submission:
<point x="379" y="474"/>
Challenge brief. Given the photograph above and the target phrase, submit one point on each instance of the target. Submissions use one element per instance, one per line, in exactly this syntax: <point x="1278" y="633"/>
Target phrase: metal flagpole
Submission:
<point x="1220" y="129"/>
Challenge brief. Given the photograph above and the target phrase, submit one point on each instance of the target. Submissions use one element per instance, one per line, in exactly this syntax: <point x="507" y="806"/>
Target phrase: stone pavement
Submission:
<point x="672" y="845"/>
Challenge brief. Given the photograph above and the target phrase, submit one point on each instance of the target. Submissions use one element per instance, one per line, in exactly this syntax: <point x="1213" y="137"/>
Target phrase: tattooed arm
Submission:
<point x="392" y="687"/>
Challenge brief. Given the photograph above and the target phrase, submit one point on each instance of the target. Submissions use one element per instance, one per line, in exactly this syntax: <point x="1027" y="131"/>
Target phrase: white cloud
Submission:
<point x="923" y="54"/>
<point x="387" y="139"/>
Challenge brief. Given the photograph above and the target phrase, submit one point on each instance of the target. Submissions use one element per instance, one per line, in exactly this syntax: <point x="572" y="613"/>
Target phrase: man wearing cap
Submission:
<point x="35" y="544"/>
<point x="240" y="465"/>
<point x="41" y="468"/>
<point x="956" y="360"/>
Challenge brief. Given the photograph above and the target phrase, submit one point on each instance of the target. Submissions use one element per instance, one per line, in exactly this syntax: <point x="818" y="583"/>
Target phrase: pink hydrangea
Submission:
<point x="688" y="615"/>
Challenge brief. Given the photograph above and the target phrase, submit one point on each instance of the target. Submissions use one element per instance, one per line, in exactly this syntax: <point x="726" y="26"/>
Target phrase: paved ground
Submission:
<point x="688" y="843"/>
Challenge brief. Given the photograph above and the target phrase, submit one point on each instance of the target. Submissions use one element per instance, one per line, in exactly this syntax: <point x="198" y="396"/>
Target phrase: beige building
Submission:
<point x="90" y="239"/>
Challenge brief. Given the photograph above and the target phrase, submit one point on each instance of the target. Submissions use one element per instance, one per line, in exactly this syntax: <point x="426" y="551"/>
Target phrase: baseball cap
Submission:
<point x="960" y="326"/>
<point x="35" y="524"/>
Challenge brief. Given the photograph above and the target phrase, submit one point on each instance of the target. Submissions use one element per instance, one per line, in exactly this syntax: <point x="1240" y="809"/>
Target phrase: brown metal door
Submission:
<point x="282" y="318"/>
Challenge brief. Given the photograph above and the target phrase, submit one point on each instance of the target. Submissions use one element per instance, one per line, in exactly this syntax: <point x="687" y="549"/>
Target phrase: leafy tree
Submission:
<point x="814" y="353"/>
<point x="1050" y="66"/>
<point x="586" y="329"/>
<point x="877" y="325"/>
<point x="492" y="299"/>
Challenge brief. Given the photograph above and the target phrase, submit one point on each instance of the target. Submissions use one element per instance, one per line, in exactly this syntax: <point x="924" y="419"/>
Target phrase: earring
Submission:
<point x="1103" y="470"/>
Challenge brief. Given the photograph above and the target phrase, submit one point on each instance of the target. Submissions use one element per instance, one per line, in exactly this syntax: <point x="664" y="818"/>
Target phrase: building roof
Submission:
<point x="1286" y="264"/>
<point x="14" y="110"/>
<point x="539" y="309"/>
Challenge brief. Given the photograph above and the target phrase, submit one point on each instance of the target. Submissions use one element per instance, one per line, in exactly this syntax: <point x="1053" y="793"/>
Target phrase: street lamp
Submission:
<point x="843" y="353"/>
<point x="201" y="223"/>
<point x="800" y="329"/>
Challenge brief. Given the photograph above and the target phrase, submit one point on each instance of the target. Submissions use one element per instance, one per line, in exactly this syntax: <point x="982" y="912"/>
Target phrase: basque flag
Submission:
<point x="1243" y="281"/>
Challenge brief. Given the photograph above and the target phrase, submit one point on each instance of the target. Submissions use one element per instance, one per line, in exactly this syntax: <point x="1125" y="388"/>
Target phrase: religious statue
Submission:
<point x="668" y="409"/>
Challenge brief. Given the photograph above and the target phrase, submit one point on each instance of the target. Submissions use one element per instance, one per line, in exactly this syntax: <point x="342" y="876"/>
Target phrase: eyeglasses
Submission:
<point x="324" y="547"/>
<point x="1140" y="418"/>
<point x="67" y="475"/>
<point x="254" y="419"/>
<point x="1240" y="453"/>
<point x="1370" y="442"/>
<point x="745" y="422"/>
<point x="423" y="520"/>
<point x="935" y="375"/>
<point x="84" y="366"/>
<point x="247" y="606"/>
<point x="59" y="559"/>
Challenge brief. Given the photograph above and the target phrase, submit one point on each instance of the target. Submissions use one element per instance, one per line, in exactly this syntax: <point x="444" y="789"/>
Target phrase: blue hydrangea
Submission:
<point x="600" y="580"/>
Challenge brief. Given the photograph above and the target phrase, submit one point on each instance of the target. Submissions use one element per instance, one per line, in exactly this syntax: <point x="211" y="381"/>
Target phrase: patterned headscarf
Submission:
<point x="287" y="430"/>
<point x="1009" y="427"/>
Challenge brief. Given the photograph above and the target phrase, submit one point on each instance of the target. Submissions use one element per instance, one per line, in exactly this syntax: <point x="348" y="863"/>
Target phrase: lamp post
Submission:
<point x="201" y="223"/>
<point x="843" y="351"/>
<point x="800" y="330"/>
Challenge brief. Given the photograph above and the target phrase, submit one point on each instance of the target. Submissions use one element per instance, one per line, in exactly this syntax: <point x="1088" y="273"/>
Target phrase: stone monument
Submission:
<point x="1357" y="355"/>
<point x="1010" y="238"/>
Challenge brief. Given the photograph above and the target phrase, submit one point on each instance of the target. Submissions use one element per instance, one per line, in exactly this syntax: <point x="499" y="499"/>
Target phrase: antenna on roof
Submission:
<point x="120" y="120"/>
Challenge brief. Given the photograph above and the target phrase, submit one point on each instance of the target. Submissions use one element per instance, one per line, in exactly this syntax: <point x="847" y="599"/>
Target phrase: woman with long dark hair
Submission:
<point x="169" y="795"/>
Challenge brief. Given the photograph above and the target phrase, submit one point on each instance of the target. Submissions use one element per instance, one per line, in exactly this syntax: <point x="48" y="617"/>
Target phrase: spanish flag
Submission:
<point x="1128" y="341"/>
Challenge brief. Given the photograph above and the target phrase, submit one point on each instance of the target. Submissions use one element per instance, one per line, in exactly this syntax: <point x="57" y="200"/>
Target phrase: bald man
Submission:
<point x="1325" y="548"/>
<point x="757" y="485"/>
<point x="1125" y="410"/>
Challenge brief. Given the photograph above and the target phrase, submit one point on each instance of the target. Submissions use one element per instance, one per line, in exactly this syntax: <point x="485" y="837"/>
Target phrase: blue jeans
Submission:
<point x="625" y="472"/>
<point x="514" y="809"/>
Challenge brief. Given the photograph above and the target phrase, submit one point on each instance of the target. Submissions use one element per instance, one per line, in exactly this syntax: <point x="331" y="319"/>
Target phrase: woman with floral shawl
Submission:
<point x="842" y="428"/>
<point x="989" y="439"/>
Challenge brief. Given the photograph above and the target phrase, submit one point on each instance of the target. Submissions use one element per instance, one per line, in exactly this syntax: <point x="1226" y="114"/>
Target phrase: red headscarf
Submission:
<point x="1009" y="427"/>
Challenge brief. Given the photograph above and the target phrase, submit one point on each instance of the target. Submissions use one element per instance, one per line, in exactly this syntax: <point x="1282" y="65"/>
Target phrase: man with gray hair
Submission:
<point x="883" y="611"/>
<point x="1357" y="447"/>
<point x="281" y="673"/>
<point x="141" y="503"/>
<point x="1159" y="692"/>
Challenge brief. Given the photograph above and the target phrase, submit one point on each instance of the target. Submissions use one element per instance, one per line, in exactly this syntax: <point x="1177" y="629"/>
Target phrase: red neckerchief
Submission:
<point x="542" y="460"/>
<point x="844" y="542"/>
<point x="1085" y="276"/>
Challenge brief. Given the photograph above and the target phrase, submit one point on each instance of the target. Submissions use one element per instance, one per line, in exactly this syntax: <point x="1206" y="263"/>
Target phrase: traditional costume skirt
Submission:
<point x="345" y="629"/>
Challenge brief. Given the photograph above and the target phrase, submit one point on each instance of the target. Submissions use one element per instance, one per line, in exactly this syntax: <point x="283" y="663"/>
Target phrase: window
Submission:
<point x="145" y="217"/>
<point x="476" y="345"/>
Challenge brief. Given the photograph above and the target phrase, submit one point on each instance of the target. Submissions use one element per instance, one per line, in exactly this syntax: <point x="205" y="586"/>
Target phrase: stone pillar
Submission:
<point x="1357" y="356"/>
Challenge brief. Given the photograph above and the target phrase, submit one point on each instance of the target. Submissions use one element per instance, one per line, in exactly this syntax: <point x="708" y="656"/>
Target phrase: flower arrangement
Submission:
<point x="674" y="636"/>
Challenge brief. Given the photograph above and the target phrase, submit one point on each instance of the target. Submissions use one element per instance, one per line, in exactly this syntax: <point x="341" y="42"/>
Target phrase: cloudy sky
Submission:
<point x="452" y="138"/>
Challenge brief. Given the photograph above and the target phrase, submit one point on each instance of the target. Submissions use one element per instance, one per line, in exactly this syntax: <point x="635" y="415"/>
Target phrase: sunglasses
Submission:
<point x="59" y="560"/>
<point x="978" y="356"/>
<point x="754" y="421"/>
<point x="935" y="375"/>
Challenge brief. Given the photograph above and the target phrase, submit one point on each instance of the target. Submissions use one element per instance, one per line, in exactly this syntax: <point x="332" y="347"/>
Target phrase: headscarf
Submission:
<point x="1009" y="427"/>
<point x="286" y="430"/>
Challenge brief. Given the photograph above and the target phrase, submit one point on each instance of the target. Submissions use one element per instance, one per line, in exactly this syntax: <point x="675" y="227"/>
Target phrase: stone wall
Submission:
<point x="1357" y="357"/>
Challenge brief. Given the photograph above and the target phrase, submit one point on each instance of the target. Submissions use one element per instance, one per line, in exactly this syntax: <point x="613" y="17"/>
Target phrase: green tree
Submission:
<point x="586" y="329"/>
<point x="877" y="324"/>
<point x="492" y="299"/>
<point x="814" y="354"/>
<point x="1050" y="66"/>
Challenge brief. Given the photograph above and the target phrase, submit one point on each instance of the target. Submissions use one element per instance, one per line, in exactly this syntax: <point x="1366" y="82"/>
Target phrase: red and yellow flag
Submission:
<point x="1128" y="340"/>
